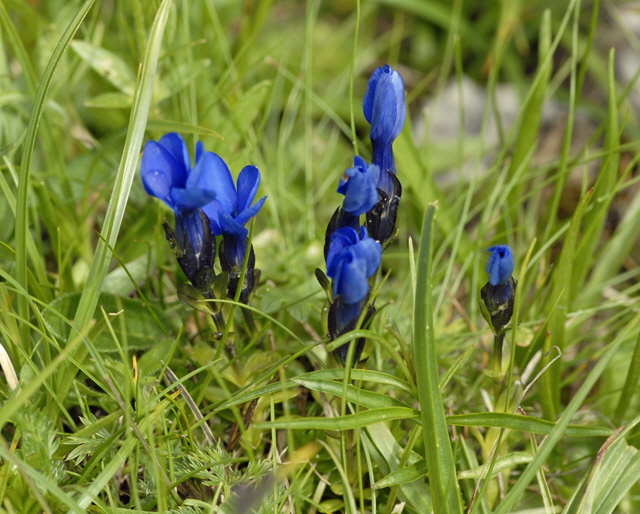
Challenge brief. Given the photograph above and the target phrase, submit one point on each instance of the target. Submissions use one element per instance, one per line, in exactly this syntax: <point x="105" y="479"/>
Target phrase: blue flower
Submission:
<point x="231" y="209"/>
<point x="351" y="260"/>
<point x="500" y="264"/>
<point x="167" y="174"/>
<point x="385" y="109"/>
<point x="358" y="185"/>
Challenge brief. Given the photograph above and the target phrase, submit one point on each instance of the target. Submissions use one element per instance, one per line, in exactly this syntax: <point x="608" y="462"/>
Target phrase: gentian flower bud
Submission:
<point x="167" y="174"/>
<point x="500" y="264"/>
<point x="498" y="295"/>
<point x="228" y="213"/>
<point x="385" y="109"/>
<point x="352" y="258"/>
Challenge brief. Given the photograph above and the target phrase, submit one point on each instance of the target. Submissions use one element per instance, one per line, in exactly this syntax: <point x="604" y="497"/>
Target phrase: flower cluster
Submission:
<point x="353" y="251"/>
<point x="206" y="204"/>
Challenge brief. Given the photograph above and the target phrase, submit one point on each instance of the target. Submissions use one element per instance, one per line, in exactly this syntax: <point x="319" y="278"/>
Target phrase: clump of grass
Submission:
<point x="125" y="399"/>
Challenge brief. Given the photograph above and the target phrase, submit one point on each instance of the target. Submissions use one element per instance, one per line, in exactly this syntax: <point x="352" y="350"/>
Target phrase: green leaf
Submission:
<point x="558" y="307"/>
<point x="120" y="194"/>
<point x="194" y="298"/>
<point x="108" y="65"/>
<point x="508" y="503"/>
<point x="419" y="470"/>
<point x="445" y="490"/>
<point x="389" y="455"/>
<point x="353" y="394"/>
<point x="615" y="470"/>
<point x="140" y="324"/>
<point x="364" y="375"/>
<point x="348" y="422"/>
<point x="524" y="424"/>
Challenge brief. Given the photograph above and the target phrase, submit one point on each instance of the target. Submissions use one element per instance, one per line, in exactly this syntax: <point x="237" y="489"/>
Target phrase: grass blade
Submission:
<point x="22" y="213"/>
<point x="121" y="189"/>
<point x="442" y="471"/>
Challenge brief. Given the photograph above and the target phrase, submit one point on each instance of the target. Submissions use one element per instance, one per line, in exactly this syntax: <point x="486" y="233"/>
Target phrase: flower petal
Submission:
<point x="500" y="264"/>
<point x="248" y="183"/>
<point x="342" y="238"/>
<point x="249" y="213"/>
<point x="389" y="111"/>
<point x="370" y="251"/>
<point x="158" y="184"/>
<point x="230" y="226"/>
<point x="176" y="146"/>
<point x="214" y="212"/>
<point x="351" y="282"/>
<point x="358" y="185"/>
<point x="156" y="157"/>
<point x="213" y="174"/>
<point x="191" y="199"/>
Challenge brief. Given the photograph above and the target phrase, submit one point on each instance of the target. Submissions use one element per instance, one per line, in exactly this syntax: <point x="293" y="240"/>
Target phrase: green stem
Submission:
<point x="498" y="343"/>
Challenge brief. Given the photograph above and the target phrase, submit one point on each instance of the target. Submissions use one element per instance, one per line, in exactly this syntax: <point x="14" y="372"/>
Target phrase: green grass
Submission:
<point x="127" y="399"/>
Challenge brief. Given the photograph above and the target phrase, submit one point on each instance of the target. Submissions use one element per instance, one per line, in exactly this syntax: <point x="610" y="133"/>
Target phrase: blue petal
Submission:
<point x="351" y="282"/>
<point x="215" y="176"/>
<point x="342" y="238"/>
<point x="370" y="251"/>
<point x="249" y="213"/>
<point x="389" y="111"/>
<point x="199" y="150"/>
<point x="248" y="183"/>
<point x="369" y="96"/>
<point x="214" y="212"/>
<point x="230" y="226"/>
<point x="158" y="184"/>
<point x="190" y="224"/>
<point x="156" y="157"/>
<point x="191" y="199"/>
<point x="178" y="148"/>
<point x="500" y="264"/>
<point x="359" y="187"/>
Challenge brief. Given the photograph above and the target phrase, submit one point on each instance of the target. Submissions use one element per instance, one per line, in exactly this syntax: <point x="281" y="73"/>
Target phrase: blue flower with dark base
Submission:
<point x="351" y="260"/>
<point x="498" y="295"/>
<point x="167" y="174"/>
<point x="385" y="109"/>
<point x="228" y="214"/>
<point x="231" y="209"/>
<point x="358" y="185"/>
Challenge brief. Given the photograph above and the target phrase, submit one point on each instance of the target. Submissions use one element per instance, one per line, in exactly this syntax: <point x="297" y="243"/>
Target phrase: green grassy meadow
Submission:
<point x="127" y="397"/>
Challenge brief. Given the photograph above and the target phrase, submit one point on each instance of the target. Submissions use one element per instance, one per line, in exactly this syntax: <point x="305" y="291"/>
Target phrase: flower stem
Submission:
<point x="498" y="342"/>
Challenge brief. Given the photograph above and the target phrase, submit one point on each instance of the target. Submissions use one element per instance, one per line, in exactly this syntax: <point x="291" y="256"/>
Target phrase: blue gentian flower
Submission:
<point x="500" y="264"/>
<point x="351" y="260"/>
<point x="231" y="209"/>
<point x="385" y="109"/>
<point x="167" y="174"/>
<point x="228" y="214"/>
<point x="358" y="185"/>
<point x="498" y="295"/>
